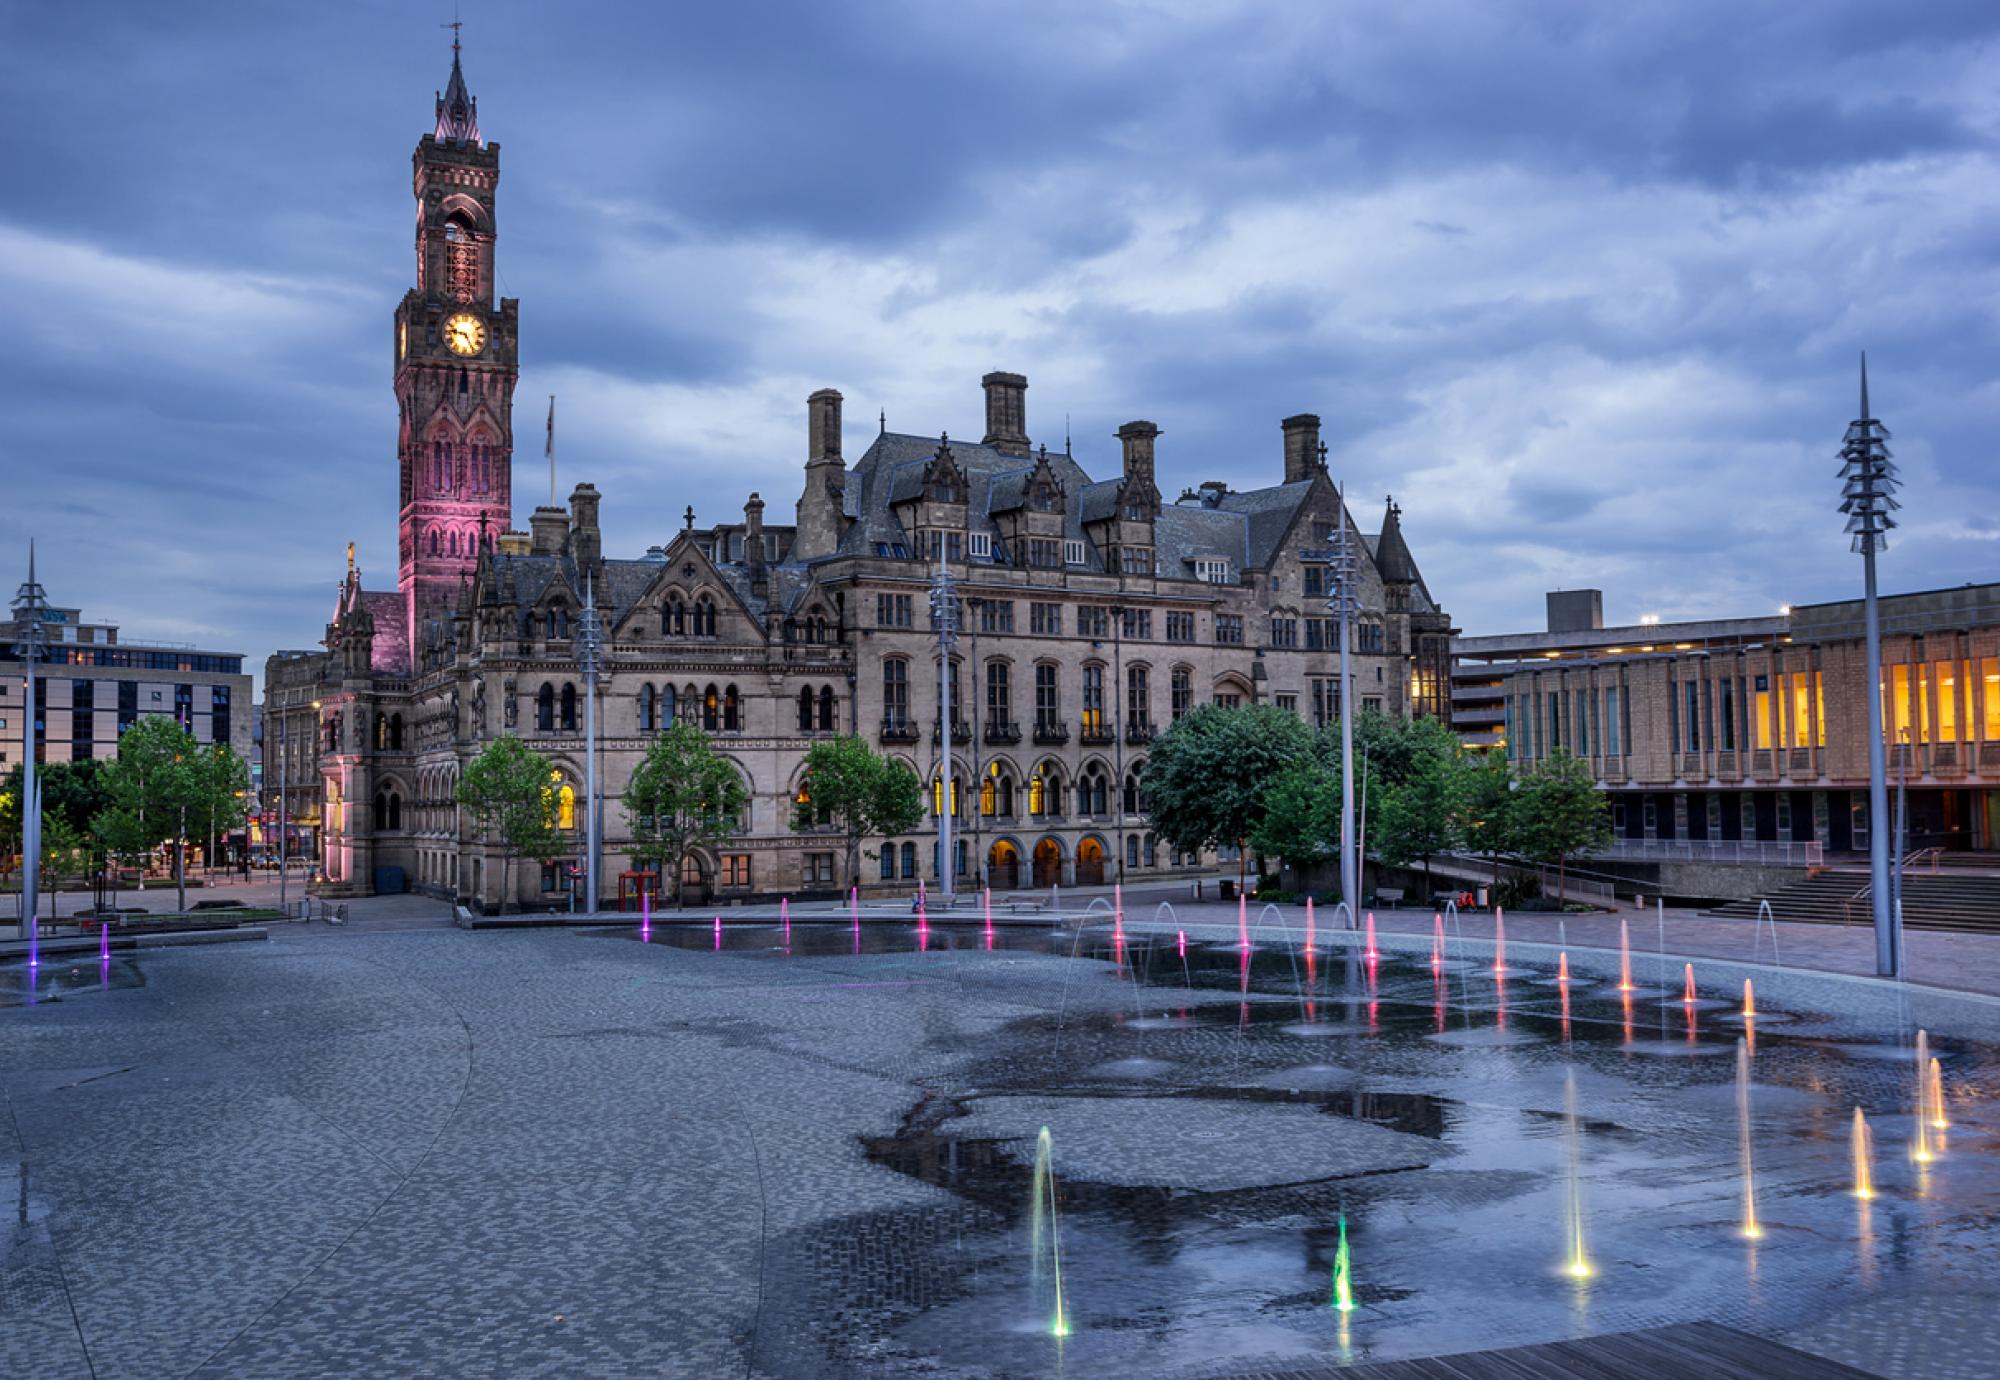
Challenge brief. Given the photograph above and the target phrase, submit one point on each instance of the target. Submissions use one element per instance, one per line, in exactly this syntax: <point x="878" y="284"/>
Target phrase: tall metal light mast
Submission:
<point x="1869" y="483"/>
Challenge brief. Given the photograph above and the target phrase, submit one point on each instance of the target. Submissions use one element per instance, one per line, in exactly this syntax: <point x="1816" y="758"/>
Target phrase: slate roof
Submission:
<point x="1247" y="528"/>
<point x="391" y="615"/>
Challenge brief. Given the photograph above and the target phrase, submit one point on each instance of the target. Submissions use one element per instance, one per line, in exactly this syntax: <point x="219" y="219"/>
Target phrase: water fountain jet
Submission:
<point x="1625" y="957"/>
<point x="1045" y="1242"/>
<point x="1687" y="991"/>
<point x="1751" y="1229"/>
<point x="1861" y="1144"/>
<point x="1922" y="1152"/>
<point x="1936" y="1089"/>
<point x="1576" y="1263"/>
<point x="1343" y="1273"/>
<point x="1371" y="952"/>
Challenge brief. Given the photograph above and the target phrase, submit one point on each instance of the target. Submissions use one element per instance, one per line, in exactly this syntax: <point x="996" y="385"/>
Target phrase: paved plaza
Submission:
<point x="398" y="1148"/>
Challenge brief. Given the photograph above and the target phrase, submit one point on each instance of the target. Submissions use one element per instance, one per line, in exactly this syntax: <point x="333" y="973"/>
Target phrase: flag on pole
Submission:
<point x="549" y="449"/>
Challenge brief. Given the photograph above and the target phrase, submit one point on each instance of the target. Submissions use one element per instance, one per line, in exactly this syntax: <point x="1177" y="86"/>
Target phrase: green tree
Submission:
<point x="73" y="793"/>
<point x="511" y="790"/>
<point x="162" y="783"/>
<point x="1301" y="814"/>
<point x="857" y="793"/>
<point x="1419" y="812"/>
<point x="1208" y="777"/>
<point x="1486" y="811"/>
<point x="1558" y="812"/>
<point x="682" y="796"/>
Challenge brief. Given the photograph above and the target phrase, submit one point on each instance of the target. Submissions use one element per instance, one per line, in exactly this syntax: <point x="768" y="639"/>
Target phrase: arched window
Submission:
<point x="909" y="860"/>
<point x="566" y="807"/>
<point x="1138" y="697"/>
<point x="704" y="617"/>
<point x="1044" y="793"/>
<point x="395" y="732"/>
<point x="888" y="862"/>
<point x="1152" y="850"/>
<point x="937" y="794"/>
<point x="895" y="694"/>
<point x="1131" y="850"/>
<point x="1093" y="701"/>
<point x="645" y="709"/>
<point x="673" y="616"/>
<point x="690" y="705"/>
<point x="711" y="709"/>
<point x="1183" y="691"/>
<point x="381" y="810"/>
<point x="1132" y="792"/>
<point x="569" y="708"/>
<point x="826" y="713"/>
<point x="805" y="709"/>
<point x="545" y="709"/>
<point x="381" y="732"/>
<point x="559" y="622"/>
<point x="666" y="706"/>
<point x="434" y="541"/>
<point x="732" y="711"/>
<point x="1092" y="792"/>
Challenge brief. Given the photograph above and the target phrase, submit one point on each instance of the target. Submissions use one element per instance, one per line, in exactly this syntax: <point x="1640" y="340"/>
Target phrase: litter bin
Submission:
<point x="1226" y="889"/>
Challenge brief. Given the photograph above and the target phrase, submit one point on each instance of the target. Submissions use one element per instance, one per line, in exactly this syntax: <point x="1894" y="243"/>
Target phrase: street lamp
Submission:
<point x="29" y="603"/>
<point x="1343" y="603"/>
<point x="589" y="651"/>
<point x="1869" y="483"/>
<point x="944" y="621"/>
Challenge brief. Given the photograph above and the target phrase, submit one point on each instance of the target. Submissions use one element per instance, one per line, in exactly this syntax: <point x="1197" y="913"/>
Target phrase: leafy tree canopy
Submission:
<point x="683" y="796"/>
<point x="1208" y="778"/>
<point x="857" y="793"/>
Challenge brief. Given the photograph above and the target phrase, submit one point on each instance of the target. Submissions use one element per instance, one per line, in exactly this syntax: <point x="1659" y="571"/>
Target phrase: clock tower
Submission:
<point x="457" y="359"/>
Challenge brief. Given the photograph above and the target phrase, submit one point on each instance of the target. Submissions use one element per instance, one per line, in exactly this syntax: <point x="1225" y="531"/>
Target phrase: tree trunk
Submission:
<point x="180" y="867"/>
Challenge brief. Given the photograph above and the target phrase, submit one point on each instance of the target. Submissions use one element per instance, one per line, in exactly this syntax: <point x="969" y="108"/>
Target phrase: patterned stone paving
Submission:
<point x="564" y="1154"/>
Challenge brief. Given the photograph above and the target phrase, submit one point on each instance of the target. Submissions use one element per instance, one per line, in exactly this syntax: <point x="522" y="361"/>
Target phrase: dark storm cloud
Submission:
<point x="1582" y="285"/>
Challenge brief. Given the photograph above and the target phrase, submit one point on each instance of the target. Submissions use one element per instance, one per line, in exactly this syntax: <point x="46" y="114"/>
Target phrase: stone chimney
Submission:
<point x="585" y="543"/>
<point x="550" y="528"/>
<point x="514" y="542"/>
<point x="1301" y="447"/>
<point x="1137" y="438"/>
<point x="1007" y="412"/>
<point x="753" y="542"/>
<point x="821" y="502"/>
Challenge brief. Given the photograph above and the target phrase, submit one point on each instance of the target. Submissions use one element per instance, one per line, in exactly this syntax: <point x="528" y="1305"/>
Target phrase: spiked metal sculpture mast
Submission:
<point x="944" y="621"/>
<point x="589" y="648"/>
<point x="1867" y="496"/>
<point x="1340" y="580"/>
<point x="29" y="602"/>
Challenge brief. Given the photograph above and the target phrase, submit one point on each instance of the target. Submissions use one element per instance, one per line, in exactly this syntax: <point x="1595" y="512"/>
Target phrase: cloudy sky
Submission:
<point x="1581" y="284"/>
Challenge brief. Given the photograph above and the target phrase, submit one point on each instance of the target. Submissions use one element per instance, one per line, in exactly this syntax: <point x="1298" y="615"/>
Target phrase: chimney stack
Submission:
<point x="585" y="542"/>
<point x="550" y="527"/>
<point x="753" y="541"/>
<point x="1137" y="439"/>
<point x="823" y="501"/>
<point x="1007" y="412"/>
<point x="1301" y="447"/>
<point x="823" y="426"/>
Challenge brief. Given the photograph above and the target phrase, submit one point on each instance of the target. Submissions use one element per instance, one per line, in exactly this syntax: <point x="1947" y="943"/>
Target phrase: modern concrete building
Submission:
<point x="1747" y="737"/>
<point x="92" y="686"/>
<point x="1094" y="614"/>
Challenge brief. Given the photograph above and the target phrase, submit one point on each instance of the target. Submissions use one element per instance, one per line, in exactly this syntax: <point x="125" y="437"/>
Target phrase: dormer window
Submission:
<point x="1072" y="553"/>
<point x="980" y="544"/>
<point x="1213" y="570"/>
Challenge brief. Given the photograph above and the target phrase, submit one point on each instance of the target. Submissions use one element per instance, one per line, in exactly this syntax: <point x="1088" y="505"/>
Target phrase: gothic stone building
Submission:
<point x="1093" y="614"/>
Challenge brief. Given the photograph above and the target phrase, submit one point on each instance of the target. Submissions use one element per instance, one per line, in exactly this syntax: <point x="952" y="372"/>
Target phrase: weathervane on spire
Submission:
<point x="455" y="25"/>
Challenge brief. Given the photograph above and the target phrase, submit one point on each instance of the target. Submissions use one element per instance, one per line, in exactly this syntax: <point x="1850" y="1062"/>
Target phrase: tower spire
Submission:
<point x="457" y="110"/>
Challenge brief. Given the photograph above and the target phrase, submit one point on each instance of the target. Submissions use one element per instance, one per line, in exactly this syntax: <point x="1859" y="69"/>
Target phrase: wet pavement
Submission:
<point x="748" y="1151"/>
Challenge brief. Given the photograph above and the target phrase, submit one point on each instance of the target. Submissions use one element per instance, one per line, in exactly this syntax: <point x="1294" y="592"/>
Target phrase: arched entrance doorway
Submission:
<point x="1090" y="862"/>
<point x="1048" y="863"/>
<point x="694" y="880"/>
<point x="1003" y="866"/>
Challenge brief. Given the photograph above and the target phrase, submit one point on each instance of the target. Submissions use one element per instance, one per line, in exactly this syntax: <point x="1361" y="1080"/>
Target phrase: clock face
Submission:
<point x="465" y="334"/>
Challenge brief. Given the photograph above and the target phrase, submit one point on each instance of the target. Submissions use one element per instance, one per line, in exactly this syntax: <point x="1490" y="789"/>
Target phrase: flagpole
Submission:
<point x="549" y="449"/>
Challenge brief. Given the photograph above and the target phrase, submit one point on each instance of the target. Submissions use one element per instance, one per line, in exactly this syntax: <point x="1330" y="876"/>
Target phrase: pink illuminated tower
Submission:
<point x="457" y="359"/>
